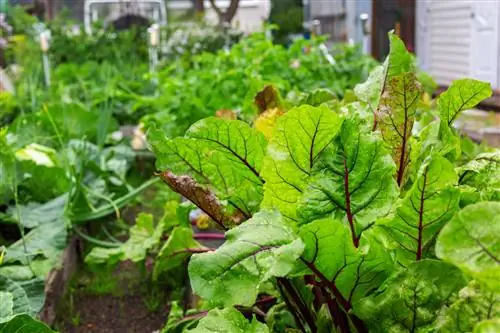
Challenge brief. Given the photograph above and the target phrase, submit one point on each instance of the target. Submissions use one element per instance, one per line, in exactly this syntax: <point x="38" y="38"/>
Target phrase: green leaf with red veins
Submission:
<point x="353" y="271"/>
<point x="259" y="249"/>
<point x="228" y="320"/>
<point x="461" y="95"/>
<point x="411" y="299"/>
<point x="471" y="241"/>
<point x="426" y="207"/>
<point x="396" y="117"/>
<point x="298" y="139"/>
<point x="352" y="180"/>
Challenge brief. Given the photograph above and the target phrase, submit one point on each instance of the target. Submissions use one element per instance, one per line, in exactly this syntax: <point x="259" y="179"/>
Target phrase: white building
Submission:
<point x="451" y="38"/>
<point x="250" y="16"/>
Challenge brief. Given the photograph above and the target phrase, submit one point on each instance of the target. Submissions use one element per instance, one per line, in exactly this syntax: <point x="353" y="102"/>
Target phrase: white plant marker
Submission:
<point x="45" y="46"/>
<point x="154" y="41"/>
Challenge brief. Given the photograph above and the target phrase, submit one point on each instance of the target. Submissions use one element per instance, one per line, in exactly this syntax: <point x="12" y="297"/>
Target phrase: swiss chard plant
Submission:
<point x="360" y="215"/>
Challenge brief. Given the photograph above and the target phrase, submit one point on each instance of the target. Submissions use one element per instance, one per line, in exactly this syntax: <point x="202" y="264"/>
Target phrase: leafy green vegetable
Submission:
<point x="474" y="304"/>
<point x="261" y="248"/>
<point x="228" y="320"/>
<point x="24" y="324"/>
<point x="410" y="300"/>
<point x="300" y="136"/>
<point x="351" y="180"/>
<point x="470" y="241"/>
<point x="426" y="207"/>
<point x="461" y="95"/>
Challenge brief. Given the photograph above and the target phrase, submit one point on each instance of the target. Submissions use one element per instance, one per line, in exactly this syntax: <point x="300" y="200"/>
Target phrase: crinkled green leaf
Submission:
<point x="354" y="271"/>
<point x="34" y="214"/>
<point x="16" y="272"/>
<point x="47" y="240"/>
<point x="488" y="326"/>
<point x="471" y="241"/>
<point x="225" y="155"/>
<point x="461" y="95"/>
<point x="6" y="306"/>
<point x="228" y="320"/>
<point x="426" y="207"/>
<point x="398" y="105"/>
<point x="474" y="304"/>
<point x="176" y="250"/>
<point x="24" y="324"/>
<point x="263" y="247"/>
<point x="298" y="139"/>
<point x="410" y="300"/>
<point x="352" y="180"/>
<point x="20" y="301"/>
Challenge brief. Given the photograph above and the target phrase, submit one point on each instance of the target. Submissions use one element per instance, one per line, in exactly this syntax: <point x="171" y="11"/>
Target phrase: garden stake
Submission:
<point x="44" y="46"/>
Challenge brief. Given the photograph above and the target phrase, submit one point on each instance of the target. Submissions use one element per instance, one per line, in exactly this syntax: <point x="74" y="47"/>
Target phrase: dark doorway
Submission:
<point x="388" y="15"/>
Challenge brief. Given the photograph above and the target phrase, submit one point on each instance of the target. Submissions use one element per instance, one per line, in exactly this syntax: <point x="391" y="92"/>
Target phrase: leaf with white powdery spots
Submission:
<point x="263" y="247"/>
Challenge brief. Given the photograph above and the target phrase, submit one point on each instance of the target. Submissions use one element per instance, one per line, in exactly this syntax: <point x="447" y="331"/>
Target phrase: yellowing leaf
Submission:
<point x="266" y="121"/>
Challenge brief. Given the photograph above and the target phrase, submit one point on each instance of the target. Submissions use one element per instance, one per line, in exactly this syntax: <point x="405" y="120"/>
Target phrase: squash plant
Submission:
<point x="354" y="216"/>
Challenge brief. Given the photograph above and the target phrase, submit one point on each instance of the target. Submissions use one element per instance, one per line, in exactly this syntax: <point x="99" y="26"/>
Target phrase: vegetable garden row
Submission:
<point x="340" y="195"/>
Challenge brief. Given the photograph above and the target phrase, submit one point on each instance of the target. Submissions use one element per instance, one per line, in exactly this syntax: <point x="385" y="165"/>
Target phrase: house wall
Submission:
<point x="457" y="39"/>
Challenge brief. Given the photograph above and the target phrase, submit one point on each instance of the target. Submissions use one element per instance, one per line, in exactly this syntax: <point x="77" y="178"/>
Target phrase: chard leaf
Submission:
<point x="225" y="155"/>
<point x="400" y="60"/>
<point x="470" y="241"/>
<point x="427" y="206"/>
<point x="179" y="247"/>
<point x="268" y="98"/>
<point x="474" y="304"/>
<point x="24" y="324"/>
<point x="263" y="247"/>
<point x="461" y="95"/>
<point x="352" y="180"/>
<point x="299" y="138"/>
<point x="370" y="90"/>
<point x="228" y="320"/>
<point x="354" y="272"/>
<point x="410" y="300"/>
<point x="488" y="326"/>
<point x="396" y="117"/>
<point x="482" y="174"/>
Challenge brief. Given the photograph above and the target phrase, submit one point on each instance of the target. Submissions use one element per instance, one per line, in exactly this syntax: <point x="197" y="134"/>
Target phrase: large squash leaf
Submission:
<point x="263" y="247"/>
<point x="228" y="320"/>
<point x="426" y="207"/>
<point x="352" y="180"/>
<point x="471" y="241"/>
<point x="298" y="139"/>
<point x="411" y="299"/>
